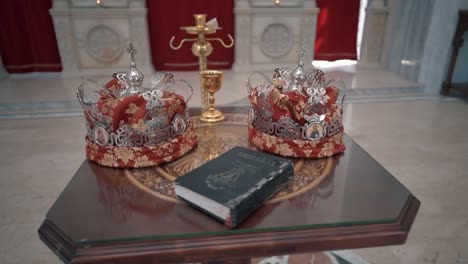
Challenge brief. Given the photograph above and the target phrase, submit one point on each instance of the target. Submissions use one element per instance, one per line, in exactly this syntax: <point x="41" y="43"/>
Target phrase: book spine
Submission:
<point x="273" y="183"/>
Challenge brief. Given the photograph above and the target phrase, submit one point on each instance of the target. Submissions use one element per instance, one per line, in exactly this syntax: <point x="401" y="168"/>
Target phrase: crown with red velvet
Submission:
<point x="131" y="126"/>
<point x="298" y="114"/>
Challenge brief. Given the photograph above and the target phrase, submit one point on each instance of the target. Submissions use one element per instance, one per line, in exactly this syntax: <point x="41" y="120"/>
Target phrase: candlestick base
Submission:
<point x="212" y="115"/>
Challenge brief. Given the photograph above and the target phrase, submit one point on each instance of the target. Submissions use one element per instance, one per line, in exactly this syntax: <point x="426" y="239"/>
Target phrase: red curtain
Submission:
<point x="337" y="26"/>
<point x="27" y="41"/>
<point x="165" y="18"/>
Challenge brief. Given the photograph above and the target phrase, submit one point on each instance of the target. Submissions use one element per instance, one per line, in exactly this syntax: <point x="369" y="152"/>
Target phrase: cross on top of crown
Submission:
<point x="302" y="53"/>
<point x="132" y="52"/>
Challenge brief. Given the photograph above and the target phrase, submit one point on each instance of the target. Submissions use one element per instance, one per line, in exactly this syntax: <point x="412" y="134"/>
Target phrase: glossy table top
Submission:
<point x="105" y="206"/>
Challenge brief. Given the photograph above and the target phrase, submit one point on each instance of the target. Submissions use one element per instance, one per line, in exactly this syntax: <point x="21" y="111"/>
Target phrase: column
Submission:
<point x="65" y="39"/>
<point x="373" y="34"/>
<point x="242" y="35"/>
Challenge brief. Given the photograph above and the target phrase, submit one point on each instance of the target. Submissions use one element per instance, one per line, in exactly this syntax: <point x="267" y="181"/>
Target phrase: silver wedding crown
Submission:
<point x="316" y="116"/>
<point x="160" y="121"/>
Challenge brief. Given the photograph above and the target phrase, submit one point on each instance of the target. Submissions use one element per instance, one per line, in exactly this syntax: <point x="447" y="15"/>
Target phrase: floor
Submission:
<point x="420" y="139"/>
<point x="48" y="95"/>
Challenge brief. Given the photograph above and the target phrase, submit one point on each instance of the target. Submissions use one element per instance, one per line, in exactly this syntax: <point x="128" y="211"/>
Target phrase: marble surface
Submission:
<point x="421" y="140"/>
<point x="47" y="95"/>
<point x="425" y="146"/>
<point x="46" y="88"/>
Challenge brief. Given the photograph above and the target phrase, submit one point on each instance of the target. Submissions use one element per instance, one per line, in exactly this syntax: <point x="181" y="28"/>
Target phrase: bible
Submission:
<point x="234" y="184"/>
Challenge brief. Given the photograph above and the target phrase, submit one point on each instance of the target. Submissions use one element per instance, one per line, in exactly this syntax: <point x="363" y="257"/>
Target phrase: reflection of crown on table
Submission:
<point x="132" y="126"/>
<point x="298" y="114"/>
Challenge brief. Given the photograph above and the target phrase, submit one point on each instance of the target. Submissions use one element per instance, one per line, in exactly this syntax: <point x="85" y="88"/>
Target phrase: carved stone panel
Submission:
<point x="104" y="44"/>
<point x="100" y="43"/>
<point x="92" y="39"/>
<point x="277" y="40"/>
<point x="268" y="36"/>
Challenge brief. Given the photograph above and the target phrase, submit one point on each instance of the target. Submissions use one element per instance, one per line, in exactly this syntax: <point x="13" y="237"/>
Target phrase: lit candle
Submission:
<point x="98" y="2"/>
<point x="277" y="2"/>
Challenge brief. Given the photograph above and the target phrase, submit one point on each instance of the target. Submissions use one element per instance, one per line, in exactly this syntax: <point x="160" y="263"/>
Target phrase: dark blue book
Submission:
<point x="234" y="184"/>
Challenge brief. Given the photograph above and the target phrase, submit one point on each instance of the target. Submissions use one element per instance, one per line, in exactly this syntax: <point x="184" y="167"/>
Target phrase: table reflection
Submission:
<point x="123" y="192"/>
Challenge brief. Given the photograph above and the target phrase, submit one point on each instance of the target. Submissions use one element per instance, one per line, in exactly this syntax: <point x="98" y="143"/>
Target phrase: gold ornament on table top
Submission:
<point x="211" y="82"/>
<point x="217" y="138"/>
<point x="201" y="46"/>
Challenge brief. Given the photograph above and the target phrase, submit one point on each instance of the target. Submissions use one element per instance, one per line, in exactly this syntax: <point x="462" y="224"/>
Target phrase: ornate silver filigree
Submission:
<point x="287" y="128"/>
<point x="311" y="84"/>
<point x="153" y="133"/>
<point x="153" y="98"/>
<point x="317" y="95"/>
<point x="153" y="128"/>
<point x="251" y="83"/>
<point x="282" y="78"/>
<point x="315" y="129"/>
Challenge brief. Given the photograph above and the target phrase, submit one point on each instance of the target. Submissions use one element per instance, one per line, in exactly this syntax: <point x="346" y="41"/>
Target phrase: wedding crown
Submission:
<point x="297" y="114"/>
<point x="132" y="126"/>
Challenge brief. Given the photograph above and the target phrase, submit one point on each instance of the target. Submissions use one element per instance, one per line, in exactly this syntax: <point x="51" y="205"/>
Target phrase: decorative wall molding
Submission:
<point x="276" y="40"/>
<point x="92" y="39"/>
<point x="104" y="44"/>
<point x="268" y="36"/>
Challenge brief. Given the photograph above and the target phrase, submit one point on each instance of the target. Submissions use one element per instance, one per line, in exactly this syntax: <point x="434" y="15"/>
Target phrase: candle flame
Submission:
<point x="277" y="2"/>
<point x="98" y="2"/>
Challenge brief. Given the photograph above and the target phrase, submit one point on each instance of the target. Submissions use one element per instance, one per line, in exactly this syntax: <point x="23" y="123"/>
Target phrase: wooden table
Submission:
<point x="108" y="215"/>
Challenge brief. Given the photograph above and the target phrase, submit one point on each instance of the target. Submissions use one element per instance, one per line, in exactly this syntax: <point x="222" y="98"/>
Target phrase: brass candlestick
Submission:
<point x="201" y="46"/>
<point x="211" y="82"/>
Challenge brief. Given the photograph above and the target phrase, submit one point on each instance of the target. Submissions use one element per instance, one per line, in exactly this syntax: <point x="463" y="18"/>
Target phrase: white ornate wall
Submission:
<point x="92" y="40"/>
<point x="269" y="36"/>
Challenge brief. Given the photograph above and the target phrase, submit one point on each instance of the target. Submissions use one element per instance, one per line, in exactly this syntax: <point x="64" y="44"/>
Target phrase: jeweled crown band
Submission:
<point x="129" y="125"/>
<point x="288" y="128"/>
<point x="128" y="136"/>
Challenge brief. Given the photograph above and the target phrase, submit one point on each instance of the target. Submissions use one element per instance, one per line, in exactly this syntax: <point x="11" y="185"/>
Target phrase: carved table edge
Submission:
<point x="233" y="246"/>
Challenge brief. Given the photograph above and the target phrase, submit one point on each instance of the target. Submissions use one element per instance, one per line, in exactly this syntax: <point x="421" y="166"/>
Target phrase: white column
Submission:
<point x="373" y="34"/>
<point x="65" y="39"/>
<point x="242" y="35"/>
